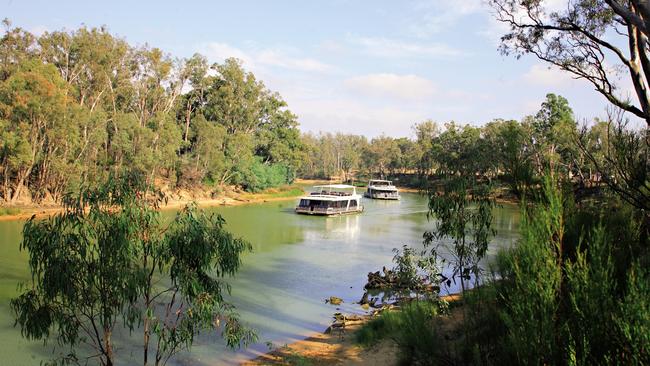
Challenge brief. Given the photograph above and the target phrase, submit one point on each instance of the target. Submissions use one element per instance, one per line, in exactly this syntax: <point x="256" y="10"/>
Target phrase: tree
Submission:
<point x="555" y="133"/>
<point x="594" y="40"/>
<point x="379" y="154"/>
<point x="463" y="213"/>
<point x="16" y="46"/>
<point x="234" y="98"/>
<point x="425" y="133"/>
<point x="587" y="38"/>
<point x="98" y="263"/>
<point x="512" y="148"/>
<point x="278" y="137"/>
<point x="33" y="104"/>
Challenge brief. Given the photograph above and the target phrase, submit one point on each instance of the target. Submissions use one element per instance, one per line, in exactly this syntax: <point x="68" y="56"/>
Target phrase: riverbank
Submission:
<point x="340" y="347"/>
<point x="176" y="199"/>
<point x="230" y="196"/>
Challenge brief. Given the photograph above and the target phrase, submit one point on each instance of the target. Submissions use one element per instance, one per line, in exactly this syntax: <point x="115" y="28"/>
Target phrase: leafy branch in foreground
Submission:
<point x="107" y="258"/>
<point x="464" y="215"/>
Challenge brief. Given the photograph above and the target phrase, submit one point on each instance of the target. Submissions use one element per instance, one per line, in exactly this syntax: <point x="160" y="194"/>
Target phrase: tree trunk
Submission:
<point x="187" y="120"/>
<point x="108" y="346"/>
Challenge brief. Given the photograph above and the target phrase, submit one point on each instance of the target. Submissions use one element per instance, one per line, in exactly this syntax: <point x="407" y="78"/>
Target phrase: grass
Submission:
<point x="413" y="329"/>
<point x="5" y="211"/>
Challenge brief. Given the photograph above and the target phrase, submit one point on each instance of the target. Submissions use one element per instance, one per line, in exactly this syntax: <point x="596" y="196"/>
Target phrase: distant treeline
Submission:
<point x="75" y="106"/>
<point x="515" y="152"/>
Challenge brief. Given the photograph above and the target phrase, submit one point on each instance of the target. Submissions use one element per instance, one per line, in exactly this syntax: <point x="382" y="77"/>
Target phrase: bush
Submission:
<point x="413" y="329"/>
<point x="9" y="211"/>
<point x="568" y="302"/>
<point x="263" y="176"/>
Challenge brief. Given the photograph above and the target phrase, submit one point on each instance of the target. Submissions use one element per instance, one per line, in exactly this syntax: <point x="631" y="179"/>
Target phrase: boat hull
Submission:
<point x="379" y="197"/>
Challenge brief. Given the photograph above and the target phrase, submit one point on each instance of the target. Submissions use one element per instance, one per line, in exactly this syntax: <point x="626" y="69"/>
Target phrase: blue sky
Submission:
<point x="365" y="67"/>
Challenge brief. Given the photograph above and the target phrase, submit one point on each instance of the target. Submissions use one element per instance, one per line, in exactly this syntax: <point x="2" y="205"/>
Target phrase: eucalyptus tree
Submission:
<point x="511" y="142"/>
<point x="463" y="213"/>
<point x="101" y="263"/>
<point x="234" y="99"/>
<point x="379" y="154"/>
<point x="598" y="41"/>
<point x="33" y="105"/>
<point x="277" y="136"/>
<point x="196" y="69"/>
<point x="555" y="132"/>
<point x="425" y="133"/>
<point x="349" y="150"/>
<point x="16" y="46"/>
<point x="593" y="40"/>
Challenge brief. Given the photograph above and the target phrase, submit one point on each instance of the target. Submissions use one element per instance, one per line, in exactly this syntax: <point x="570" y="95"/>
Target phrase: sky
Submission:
<point x="364" y="67"/>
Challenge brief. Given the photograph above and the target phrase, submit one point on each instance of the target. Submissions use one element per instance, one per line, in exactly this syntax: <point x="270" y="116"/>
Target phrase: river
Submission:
<point x="297" y="262"/>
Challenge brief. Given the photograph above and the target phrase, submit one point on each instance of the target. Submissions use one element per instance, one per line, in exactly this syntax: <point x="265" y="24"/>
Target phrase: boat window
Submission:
<point x="353" y="203"/>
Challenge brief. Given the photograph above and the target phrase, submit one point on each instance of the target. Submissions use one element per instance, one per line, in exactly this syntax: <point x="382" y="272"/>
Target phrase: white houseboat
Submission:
<point x="382" y="189"/>
<point x="333" y="199"/>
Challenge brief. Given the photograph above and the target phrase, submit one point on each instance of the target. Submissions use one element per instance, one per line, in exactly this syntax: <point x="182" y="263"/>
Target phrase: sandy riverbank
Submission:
<point x="176" y="200"/>
<point x="230" y="197"/>
<point x="339" y="347"/>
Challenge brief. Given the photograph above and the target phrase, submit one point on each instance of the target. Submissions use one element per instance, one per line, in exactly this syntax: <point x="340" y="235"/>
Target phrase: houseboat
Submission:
<point x="333" y="199"/>
<point x="382" y="190"/>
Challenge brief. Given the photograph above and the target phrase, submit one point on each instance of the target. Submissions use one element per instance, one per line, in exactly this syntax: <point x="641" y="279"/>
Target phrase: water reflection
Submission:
<point x="344" y="228"/>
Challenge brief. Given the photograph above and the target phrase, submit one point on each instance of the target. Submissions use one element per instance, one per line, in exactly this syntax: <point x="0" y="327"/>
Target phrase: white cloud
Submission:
<point x="277" y="58"/>
<point x="434" y="16"/>
<point x="352" y="116"/>
<point x="218" y="52"/>
<point x="548" y="76"/>
<point x="385" y="47"/>
<point x="273" y="57"/>
<point x="410" y="87"/>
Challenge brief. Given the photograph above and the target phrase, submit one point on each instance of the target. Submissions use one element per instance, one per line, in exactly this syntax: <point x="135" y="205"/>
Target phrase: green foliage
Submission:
<point x="406" y="268"/>
<point x="564" y="302"/>
<point x="532" y="304"/>
<point x="9" y="211"/>
<point x="463" y="213"/>
<point x="95" y="266"/>
<point x="263" y="176"/>
<point x="75" y="106"/>
<point x="413" y="328"/>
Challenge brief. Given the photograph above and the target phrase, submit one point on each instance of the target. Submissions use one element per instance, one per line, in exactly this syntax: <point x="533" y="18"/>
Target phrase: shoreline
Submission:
<point x="336" y="347"/>
<point x="229" y="199"/>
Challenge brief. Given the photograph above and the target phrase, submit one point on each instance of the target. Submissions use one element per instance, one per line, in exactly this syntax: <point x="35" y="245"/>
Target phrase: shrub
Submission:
<point x="262" y="176"/>
<point x="413" y="329"/>
<point x="583" y="307"/>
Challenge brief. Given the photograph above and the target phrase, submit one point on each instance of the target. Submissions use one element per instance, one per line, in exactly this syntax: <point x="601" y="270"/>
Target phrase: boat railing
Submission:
<point x="326" y="193"/>
<point x="328" y="209"/>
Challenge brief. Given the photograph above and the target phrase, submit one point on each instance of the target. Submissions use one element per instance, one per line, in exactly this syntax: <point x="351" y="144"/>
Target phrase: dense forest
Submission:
<point x="76" y="106"/>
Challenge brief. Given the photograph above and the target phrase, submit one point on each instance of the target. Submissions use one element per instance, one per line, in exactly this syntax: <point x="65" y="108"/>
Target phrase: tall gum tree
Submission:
<point x="598" y="41"/>
<point x="594" y="40"/>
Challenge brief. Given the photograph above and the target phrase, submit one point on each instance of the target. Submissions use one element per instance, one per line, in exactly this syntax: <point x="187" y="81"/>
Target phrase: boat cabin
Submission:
<point x="333" y="199"/>
<point x="382" y="189"/>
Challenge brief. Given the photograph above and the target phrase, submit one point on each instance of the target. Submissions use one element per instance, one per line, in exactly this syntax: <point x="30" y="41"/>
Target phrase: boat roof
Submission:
<point x="380" y="180"/>
<point x="331" y="198"/>
<point x="337" y="186"/>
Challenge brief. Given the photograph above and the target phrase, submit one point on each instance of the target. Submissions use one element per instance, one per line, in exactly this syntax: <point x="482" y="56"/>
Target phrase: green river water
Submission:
<point x="297" y="262"/>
